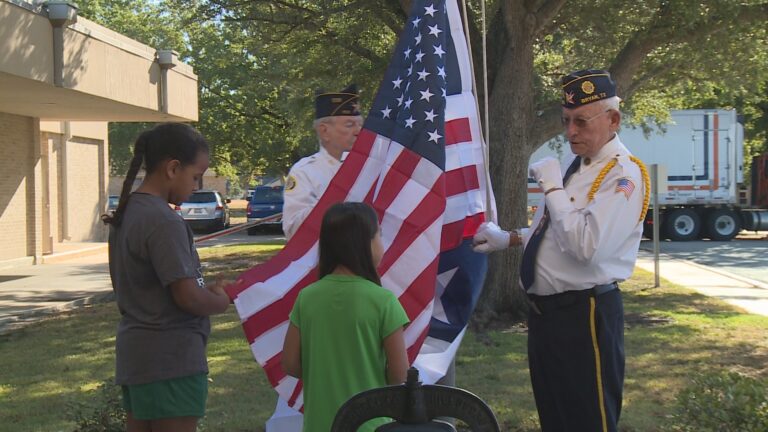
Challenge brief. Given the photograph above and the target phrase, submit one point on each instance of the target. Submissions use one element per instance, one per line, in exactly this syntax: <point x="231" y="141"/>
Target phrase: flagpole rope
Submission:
<point x="487" y="140"/>
<point x="489" y="208"/>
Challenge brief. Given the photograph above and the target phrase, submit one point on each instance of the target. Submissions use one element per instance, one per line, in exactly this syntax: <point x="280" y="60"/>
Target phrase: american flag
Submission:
<point x="625" y="186"/>
<point x="419" y="162"/>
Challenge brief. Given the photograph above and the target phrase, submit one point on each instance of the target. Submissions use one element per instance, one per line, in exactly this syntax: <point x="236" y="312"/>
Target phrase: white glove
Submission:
<point x="489" y="238"/>
<point x="547" y="173"/>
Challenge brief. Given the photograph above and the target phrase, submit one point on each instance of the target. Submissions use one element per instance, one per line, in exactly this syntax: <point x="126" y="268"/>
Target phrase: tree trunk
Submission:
<point x="511" y="107"/>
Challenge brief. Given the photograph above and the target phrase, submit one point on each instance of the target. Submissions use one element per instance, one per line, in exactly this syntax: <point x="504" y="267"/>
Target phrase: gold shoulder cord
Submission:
<point x="646" y="183"/>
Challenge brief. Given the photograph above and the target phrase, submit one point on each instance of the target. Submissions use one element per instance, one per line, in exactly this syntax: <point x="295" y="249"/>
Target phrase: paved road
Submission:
<point x="746" y="256"/>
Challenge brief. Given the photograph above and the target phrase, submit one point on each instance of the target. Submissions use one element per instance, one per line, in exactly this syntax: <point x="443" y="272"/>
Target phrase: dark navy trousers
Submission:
<point x="576" y="360"/>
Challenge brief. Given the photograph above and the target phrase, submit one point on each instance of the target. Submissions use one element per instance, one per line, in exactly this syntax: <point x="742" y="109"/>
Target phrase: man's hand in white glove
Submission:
<point x="489" y="238"/>
<point x="547" y="173"/>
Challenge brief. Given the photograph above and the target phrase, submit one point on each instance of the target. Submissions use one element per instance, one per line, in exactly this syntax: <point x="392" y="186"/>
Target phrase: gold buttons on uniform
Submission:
<point x="587" y="161"/>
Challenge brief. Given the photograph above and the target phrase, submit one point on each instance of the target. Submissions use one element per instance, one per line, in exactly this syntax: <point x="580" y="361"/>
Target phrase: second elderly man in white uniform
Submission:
<point x="583" y="241"/>
<point x="337" y="123"/>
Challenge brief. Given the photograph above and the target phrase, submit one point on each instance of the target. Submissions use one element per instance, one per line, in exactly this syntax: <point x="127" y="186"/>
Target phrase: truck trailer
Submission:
<point x="701" y="151"/>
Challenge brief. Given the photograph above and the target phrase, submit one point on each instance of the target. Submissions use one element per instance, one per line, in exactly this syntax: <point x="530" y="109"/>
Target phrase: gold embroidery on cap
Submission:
<point x="587" y="87"/>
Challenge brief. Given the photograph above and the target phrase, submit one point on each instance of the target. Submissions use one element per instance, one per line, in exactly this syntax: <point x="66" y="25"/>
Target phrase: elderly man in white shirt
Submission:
<point x="337" y="123"/>
<point x="583" y="241"/>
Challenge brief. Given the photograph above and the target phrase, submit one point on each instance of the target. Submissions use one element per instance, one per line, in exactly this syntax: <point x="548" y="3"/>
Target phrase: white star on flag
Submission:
<point x="407" y="53"/>
<point x="434" y="30"/>
<point x="386" y="111"/>
<point x="409" y="122"/>
<point x="416" y="22"/>
<point x="429" y="10"/>
<point x="439" y="51"/>
<point x="397" y="83"/>
<point x="419" y="56"/>
<point x="430" y="115"/>
<point x="441" y="71"/>
<point x="418" y="38"/>
<point x="434" y="136"/>
<point x="408" y="103"/>
<point x="423" y="75"/>
<point x="425" y="95"/>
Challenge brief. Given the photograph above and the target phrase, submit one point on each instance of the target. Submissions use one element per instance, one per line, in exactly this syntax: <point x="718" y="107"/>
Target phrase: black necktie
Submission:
<point x="528" y="265"/>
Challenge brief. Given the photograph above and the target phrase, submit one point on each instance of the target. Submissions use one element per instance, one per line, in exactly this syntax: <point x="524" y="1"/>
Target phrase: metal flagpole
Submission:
<point x="489" y="209"/>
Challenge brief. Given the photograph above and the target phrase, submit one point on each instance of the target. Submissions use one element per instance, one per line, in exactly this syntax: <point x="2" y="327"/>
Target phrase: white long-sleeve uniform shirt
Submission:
<point x="590" y="243"/>
<point x="307" y="180"/>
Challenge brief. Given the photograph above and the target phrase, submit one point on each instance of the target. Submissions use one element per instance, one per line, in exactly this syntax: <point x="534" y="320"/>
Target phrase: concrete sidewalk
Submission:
<point x="28" y="293"/>
<point x="748" y="294"/>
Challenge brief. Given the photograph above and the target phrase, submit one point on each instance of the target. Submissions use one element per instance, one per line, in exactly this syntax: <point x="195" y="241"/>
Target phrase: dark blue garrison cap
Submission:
<point x="586" y="86"/>
<point x="343" y="103"/>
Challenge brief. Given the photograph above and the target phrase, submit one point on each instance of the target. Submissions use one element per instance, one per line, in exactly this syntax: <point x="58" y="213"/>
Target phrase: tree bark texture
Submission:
<point x="511" y="110"/>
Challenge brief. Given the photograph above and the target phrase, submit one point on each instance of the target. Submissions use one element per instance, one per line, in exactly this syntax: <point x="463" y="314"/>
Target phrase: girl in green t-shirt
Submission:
<point x="346" y="331"/>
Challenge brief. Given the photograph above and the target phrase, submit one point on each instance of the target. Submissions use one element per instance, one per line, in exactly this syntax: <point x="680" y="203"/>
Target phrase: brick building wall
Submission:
<point x="84" y="190"/>
<point x="16" y="164"/>
<point x="51" y="189"/>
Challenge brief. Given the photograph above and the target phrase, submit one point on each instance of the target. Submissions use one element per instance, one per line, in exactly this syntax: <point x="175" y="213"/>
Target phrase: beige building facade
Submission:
<point x="62" y="78"/>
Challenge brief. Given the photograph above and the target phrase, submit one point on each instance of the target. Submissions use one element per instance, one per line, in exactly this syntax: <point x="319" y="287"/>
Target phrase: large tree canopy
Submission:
<point x="259" y="62"/>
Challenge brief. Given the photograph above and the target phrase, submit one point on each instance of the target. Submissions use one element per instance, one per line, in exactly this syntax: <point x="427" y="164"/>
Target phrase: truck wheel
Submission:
<point x="682" y="224"/>
<point x="722" y="224"/>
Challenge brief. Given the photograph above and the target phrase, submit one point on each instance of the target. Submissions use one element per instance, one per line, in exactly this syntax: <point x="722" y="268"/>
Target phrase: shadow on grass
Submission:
<point x="51" y="363"/>
<point x="701" y="334"/>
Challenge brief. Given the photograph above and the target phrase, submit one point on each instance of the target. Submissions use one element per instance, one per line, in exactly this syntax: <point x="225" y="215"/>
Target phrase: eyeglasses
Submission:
<point x="580" y="122"/>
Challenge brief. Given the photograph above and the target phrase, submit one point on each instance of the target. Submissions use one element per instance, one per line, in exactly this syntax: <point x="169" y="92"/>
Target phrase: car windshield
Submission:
<point x="268" y="195"/>
<point x="202" y="197"/>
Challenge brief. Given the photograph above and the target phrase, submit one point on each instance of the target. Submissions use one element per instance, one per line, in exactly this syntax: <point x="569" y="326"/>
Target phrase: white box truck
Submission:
<point x="702" y="152"/>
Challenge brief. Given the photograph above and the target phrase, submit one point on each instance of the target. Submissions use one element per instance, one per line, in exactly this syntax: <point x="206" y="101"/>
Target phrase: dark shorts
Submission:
<point x="176" y="397"/>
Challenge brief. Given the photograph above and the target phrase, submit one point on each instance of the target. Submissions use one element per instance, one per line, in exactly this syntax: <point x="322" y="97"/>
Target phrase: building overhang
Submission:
<point x="105" y="76"/>
<point x="35" y="99"/>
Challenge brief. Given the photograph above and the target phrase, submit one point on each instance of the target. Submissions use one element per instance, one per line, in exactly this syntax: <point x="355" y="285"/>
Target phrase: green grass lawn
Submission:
<point x="673" y="335"/>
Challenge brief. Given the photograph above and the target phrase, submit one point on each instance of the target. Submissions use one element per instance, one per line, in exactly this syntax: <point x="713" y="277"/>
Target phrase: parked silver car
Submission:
<point x="205" y="210"/>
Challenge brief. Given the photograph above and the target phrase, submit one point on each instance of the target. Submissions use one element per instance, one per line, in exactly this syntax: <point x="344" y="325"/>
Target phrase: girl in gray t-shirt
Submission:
<point x="161" y="294"/>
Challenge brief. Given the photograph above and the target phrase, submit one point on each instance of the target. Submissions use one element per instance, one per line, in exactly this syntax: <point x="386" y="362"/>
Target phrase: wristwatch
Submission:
<point x="515" y="237"/>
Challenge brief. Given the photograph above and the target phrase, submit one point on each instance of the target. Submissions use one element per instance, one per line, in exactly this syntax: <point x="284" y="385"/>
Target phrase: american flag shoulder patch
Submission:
<point x="625" y="186"/>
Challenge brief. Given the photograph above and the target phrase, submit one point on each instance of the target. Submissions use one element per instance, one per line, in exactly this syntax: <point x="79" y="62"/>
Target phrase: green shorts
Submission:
<point x="176" y="397"/>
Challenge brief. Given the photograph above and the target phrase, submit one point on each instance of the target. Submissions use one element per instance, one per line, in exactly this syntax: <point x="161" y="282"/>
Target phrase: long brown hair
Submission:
<point x="345" y="239"/>
<point x="165" y="141"/>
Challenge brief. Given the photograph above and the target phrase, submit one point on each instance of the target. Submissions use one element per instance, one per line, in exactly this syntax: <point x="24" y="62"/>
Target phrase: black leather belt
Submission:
<point x="544" y="304"/>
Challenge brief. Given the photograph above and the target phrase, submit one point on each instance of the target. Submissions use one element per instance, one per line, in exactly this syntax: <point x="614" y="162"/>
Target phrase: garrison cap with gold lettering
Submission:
<point x="343" y="103"/>
<point x="586" y="86"/>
